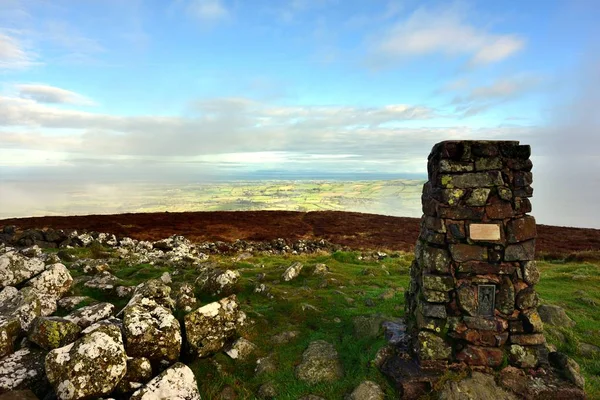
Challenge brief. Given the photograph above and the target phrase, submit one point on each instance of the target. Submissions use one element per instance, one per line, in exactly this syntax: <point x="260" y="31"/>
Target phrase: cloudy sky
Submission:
<point x="98" y="90"/>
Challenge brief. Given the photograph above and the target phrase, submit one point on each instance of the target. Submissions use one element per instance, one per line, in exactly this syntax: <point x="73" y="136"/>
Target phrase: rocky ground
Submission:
<point x="93" y="315"/>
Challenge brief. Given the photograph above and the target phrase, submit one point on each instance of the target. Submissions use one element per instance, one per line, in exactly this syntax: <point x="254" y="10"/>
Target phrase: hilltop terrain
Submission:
<point x="351" y="229"/>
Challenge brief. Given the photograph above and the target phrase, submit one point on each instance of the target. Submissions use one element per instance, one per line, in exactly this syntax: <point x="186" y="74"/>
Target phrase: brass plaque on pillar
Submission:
<point x="484" y="232"/>
<point x="486" y="296"/>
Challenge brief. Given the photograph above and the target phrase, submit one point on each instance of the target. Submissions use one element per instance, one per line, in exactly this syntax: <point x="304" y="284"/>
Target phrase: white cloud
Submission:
<point x="207" y="10"/>
<point x="445" y="31"/>
<point x="52" y="95"/>
<point x="13" y="55"/>
<point x="476" y="99"/>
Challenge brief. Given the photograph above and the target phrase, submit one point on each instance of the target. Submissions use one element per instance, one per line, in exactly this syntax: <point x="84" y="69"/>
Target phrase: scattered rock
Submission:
<point x="587" y="350"/>
<point x="124" y="291"/>
<point x="154" y="290"/>
<point x="53" y="332"/>
<point x="152" y="331"/>
<point x="478" y="386"/>
<point x="95" y="267"/>
<point x="292" y="271"/>
<point x="285" y="337"/>
<point x="16" y="268"/>
<point x="208" y="327"/>
<point x="17" y="314"/>
<point x="320" y="363"/>
<point x="24" y="369"/>
<point x="382" y="355"/>
<point x="367" y="326"/>
<point x="267" y="391"/>
<point x="52" y="284"/>
<point x="321" y="269"/>
<point x="568" y="368"/>
<point x="185" y="298"/>
<point x="240" y="349"/>
<point x="175" y="383"/>
<point x="71" y="302"/>
<point x="104" y="281"/>
<point x="265" y="365"/>
<point x="367" y="390"/>
<point x="139" y="372"/>
<point x="90" y="367"/>
<point x="86" y="316"/>
<point x="216" y="281"/>
<point x="554" y="315"/>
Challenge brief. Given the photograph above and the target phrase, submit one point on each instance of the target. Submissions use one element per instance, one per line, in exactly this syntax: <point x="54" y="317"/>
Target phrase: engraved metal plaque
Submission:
<point x="486" y="294"/>
<point x="484" y="232"/>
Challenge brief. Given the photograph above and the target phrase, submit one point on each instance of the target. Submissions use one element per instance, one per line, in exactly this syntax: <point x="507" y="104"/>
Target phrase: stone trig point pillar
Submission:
<point x="472" y="292"/>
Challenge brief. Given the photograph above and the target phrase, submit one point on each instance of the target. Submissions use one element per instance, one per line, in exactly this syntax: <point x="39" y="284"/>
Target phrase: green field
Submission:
<point x="388" y="197"/>
<point x="324" y="307"/>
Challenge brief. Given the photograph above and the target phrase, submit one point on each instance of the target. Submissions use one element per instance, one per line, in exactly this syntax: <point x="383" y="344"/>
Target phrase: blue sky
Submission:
<point x="119" y="87"/>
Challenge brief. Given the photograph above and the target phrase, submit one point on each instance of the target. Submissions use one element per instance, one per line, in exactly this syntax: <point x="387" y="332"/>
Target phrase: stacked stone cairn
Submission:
<point x="472" y="293"/>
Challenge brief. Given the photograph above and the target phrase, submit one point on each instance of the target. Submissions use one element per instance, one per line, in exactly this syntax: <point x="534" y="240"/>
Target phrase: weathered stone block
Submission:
<point x="477" y="355"/>
<point x="486" y="164"/>
<point x="435" y="296"/>
<point x="523" y="357"/>
<point x="434" y="224"/>
<point x="455" y="166"/>
<point x="466" y="252"/>
<point x="499" y="210"/>
<point x="486" y="324"/>
<point x="484" y="149"/>
<point x="523" y="251"/>
<point x="522" y="179"/>
<point x="439" y="283"/>
<point x="432" y="347"/>
<point x="478" y="197"/>
<point x="531" y="274"/>
<point x="526" y="191"/>
<point x="460" y="212"/>
<point x="435" y="260"/>
<point x="528" y="339"/>
<point x="521" y="151"/>
<point x="521" y="229"/>
<point x="484" y="268"/>
<point x="505" y="193"/>
<point x="467" y="299"/>
<point x="432" y="310"/>
<point x="505" y="301"/>
<point x="519" y="164"/>
<point x="455" y="231"/>
<point x="522" y="205"/>
<point x="532" y="322"/>
<point x="430" y="324"/>
<point x="472" y="180"/>
<point x="527" y="298"/>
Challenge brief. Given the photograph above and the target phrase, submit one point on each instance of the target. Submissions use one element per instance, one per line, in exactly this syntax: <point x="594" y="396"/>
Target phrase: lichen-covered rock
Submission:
<point x="95" y="267"/>
<point x="185" y="298"/>
<point x="216" y="281"/>
<point x="55" y="280"/>
<point x="267" y="391"/>
<point x="52" y="332"/>
<point x="139" y="372"/>
<point x="23" y="307"/>
<point x="90" y="367"/>
<point x="320" y="363"/>
<point x="103" y="281"/>
<point x="152" y="331"/>
<point x="478" y="386"/>
<point x="265" y="365"/>
<point x="554" y="315"/>
<point x="432" y="347"/>
<point x="208" y="327"/>
<point x="8" y="293"/>
<point x="175" y="383"/>
<point x="292" y="271"/>
<point x="24" y="369"/>
<point x="70" y="303"/>
<point x="320" y="269"/>
<point x="240" y="349"/>
<point x="367" y="326"/>
<point x="155" y="290"/>
<point x="52" y="284"/>
<point x="367" y="390"/>
<point x="523" y="357"/>
<point x="86" y="316"/>
<point x="15" y="268"/>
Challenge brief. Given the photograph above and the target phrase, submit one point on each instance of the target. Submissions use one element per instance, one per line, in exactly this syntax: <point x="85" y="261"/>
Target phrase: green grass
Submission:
<point x="353" y="287"/>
